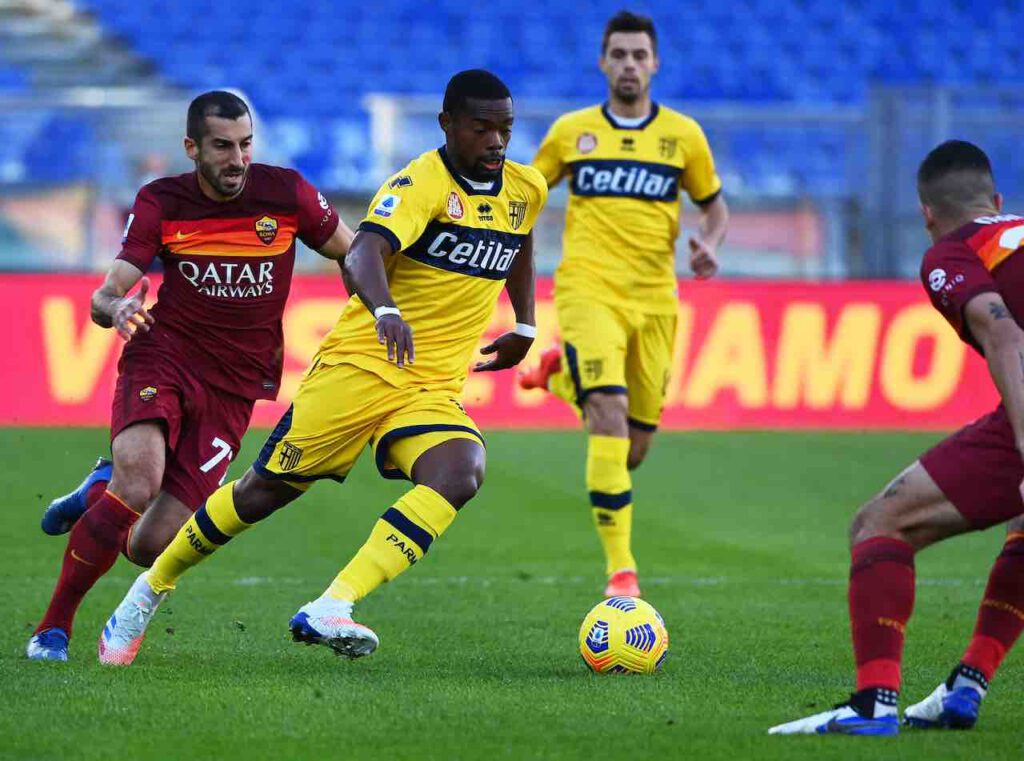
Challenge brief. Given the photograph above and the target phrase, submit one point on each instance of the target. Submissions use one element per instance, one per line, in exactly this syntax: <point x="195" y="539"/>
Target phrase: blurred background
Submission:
<point x="817" y="112"/>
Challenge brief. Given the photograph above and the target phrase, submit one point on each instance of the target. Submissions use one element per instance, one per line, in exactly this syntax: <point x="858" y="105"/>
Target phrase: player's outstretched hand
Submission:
<point x="396" y="333"/>
<point x="703" y="261"/>
<point x="508" y="349"/>
<point x="130" y="313"/>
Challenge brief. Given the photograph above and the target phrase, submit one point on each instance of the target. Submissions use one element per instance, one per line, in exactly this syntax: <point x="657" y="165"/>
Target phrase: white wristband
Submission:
<point x="381" y="311"/>
<point x="526" y="331"/>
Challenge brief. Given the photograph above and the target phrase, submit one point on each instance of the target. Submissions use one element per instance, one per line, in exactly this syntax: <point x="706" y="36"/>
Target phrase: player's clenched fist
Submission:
<point x="130" y="314"/>
<point x="703" y="261"/>
<point x="396" y="333"/>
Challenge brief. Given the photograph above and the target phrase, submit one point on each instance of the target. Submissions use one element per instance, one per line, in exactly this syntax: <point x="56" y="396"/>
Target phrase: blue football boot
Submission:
<point x="64" y="512"/>
<point x="954" y="704"/>
<point x="869" y="712"/>
<point x="48" y="645"/>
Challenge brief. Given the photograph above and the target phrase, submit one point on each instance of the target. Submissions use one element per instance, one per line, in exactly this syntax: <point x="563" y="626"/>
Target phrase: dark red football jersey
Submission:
<point x="227" y="270"/>
<point x="981" y="256"/>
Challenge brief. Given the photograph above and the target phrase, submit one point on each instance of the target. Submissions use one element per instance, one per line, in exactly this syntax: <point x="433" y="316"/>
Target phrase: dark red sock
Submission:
<point x="881" y="600"/>
<point x="1001" y="615"/>
<point x="93" y="546"/>
<point x="96" y="491"/>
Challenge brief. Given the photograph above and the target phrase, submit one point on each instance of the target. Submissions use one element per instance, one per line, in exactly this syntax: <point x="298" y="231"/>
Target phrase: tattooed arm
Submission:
<point x="1002" y="340"/>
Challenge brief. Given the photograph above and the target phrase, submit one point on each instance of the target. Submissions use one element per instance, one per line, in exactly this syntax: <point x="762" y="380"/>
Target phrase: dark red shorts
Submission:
<point x="204" y="425"/>
<point x="979" y="470"/>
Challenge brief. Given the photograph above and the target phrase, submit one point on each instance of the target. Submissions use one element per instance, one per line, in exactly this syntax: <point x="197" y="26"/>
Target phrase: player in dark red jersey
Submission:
<point x="974" y="275"/>
<point x="194" y="365"/>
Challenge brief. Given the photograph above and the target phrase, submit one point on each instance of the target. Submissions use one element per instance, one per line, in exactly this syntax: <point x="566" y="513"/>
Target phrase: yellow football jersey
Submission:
<point x="623" y="215"/>
<point x="454" y="245"/>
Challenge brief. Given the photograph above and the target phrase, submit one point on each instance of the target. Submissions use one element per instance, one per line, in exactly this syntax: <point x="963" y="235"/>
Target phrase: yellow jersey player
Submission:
<point x="440" y="239"/>
<point x="615" y="289"/>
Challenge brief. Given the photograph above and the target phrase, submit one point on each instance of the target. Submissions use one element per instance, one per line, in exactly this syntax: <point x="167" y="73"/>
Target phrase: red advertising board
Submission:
<point x="749" y="354"/>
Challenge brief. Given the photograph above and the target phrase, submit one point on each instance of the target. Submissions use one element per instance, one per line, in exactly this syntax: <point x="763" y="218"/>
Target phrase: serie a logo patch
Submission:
<point x="266" y="229"/>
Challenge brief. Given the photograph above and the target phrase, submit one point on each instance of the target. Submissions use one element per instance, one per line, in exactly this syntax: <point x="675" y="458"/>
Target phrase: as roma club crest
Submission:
<point x="516" y="213"/>
<point x="266" y="229"/>
<point x="586" y="142"/>
<point x="455" y="210"/>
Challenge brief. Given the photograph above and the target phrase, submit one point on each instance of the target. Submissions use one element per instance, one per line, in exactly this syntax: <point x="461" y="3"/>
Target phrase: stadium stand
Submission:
<point x="306" y="66"/>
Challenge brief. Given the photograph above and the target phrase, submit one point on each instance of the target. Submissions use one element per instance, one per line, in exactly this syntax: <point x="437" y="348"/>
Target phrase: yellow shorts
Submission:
<point x="612" y="350"/>
<point x="340" y="409"/>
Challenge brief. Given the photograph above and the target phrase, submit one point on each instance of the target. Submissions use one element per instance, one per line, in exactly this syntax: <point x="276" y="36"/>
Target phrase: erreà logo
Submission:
<point x="266" y="229"/>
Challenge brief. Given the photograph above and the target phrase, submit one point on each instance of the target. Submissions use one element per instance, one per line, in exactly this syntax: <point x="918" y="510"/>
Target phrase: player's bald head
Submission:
<point x="956" y="177"/>
<point x="217" y="103"/>
<point x="473" y="85"/>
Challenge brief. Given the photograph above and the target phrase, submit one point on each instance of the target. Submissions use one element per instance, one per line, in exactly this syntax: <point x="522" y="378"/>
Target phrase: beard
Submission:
<point x="629" y="96"/>
<point x="210" y="174"/>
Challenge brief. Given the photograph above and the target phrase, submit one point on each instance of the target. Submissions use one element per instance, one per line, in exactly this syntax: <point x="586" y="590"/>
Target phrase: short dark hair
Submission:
<point x="218" y="103"/>
<point x="955" y="176"/>
<point x="626" y="21"/>
<point x="473" y="83"/>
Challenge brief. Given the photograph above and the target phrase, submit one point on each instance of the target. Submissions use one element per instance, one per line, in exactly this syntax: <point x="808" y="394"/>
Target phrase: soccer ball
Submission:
<point x="623" y="635"/>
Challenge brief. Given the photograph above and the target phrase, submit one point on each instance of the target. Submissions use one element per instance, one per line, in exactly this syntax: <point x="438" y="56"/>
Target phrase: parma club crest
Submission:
<point x="667" y="147"/>
<point x="516" y="213"/>
<point x="289" y="456"/>
<point x="266" y="229"/>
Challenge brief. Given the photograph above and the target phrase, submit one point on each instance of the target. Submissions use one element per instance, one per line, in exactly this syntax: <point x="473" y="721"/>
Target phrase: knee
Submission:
<point x="136" y="484"/>
<point x="606" y="414"/>
<point x="869" y="522"/>
<point x="460" y="486"/>
<point x="256" y="498"/>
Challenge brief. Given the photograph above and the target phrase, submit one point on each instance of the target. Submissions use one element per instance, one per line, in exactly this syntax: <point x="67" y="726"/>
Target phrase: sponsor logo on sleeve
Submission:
<point x="323" y="201"/>
<point x="937" y="279"/>
<point x="386" y="205"/>
<point x="148" y="394"/>
<point x="266" y="229"/>
<point x="402" y="181"/>
<point x="455" y="210"/>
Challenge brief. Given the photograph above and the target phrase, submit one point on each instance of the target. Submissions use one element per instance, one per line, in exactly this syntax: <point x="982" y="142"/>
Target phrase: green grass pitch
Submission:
<point x="742" y="544"/>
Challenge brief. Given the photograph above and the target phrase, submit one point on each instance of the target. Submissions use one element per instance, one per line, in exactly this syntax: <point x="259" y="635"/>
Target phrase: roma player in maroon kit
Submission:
<point x="194" y="365"/>
<point x="974" y="276"/>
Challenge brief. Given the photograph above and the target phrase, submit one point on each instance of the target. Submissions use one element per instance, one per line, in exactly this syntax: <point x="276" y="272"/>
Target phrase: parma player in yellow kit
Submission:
<point x="440" y="240"/>
<point x="626" y="163"/>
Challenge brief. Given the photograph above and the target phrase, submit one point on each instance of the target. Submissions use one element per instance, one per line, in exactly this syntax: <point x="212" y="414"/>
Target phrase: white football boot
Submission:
<point x="121" y="637"/>
<point x="327" y="621"/>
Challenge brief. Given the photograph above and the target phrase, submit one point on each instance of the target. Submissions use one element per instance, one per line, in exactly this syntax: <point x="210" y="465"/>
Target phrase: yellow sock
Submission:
<point x="611" y="498"/>
<point x="399" y="539"/>
<point x="211" y="527"/>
